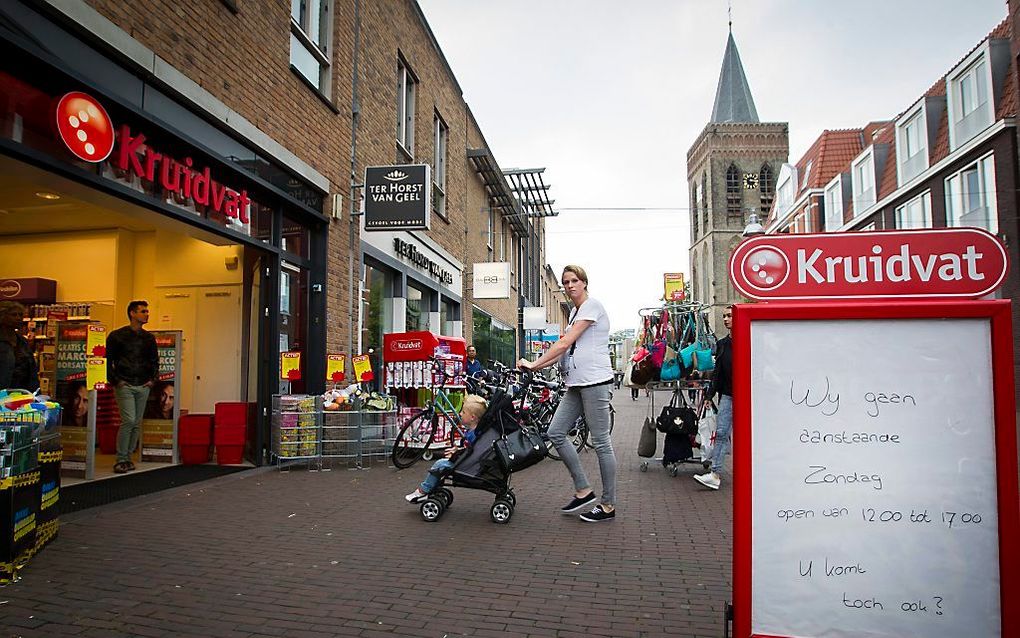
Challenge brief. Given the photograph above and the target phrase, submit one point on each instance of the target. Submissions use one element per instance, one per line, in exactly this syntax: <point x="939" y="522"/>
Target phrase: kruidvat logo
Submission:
<point x="410" y="344"/>
<point x="85" y="127"/>
<point x="766" y="268"/>
<point x="936" y="262"/>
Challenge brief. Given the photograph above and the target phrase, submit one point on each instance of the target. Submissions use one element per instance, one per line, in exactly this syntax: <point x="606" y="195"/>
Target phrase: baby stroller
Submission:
<point x="501" y="448"/>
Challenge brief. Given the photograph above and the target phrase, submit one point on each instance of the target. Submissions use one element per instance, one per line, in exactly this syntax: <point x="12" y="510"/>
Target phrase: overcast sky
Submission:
<point x="608" y="96"/>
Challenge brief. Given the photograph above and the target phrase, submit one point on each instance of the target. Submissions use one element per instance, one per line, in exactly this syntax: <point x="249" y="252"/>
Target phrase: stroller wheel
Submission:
<point x="501" y="512"/>
<point x="431" y="509"/>
<point x="512" y="498"/>
<point x="427" y="455"/>
<point x="644" y="466"/>
<point x="447" y="494"/>
<point x="673" y="470"/>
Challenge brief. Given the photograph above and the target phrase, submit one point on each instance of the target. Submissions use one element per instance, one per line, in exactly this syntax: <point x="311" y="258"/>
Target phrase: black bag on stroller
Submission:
<point x="520" y="450"/>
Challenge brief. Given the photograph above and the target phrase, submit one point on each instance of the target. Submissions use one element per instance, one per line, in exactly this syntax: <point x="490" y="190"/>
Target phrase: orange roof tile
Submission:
<point x="830" y="154"/>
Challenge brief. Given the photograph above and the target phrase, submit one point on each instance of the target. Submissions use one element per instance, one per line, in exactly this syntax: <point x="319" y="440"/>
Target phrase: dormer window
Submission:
<point x="787" y="183"/>
<point x="970" y="196"/>
<point x="833" y="204"/>
<point x="912" y="146"/>
<point x="863" y="177"/>
<point x="970" y="103"/>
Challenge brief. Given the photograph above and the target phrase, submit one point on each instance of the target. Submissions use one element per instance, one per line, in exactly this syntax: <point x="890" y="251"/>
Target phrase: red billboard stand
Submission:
<point x="875" y="453"/>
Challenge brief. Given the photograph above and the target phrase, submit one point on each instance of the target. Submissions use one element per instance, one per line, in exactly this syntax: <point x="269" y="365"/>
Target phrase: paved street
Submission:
<point x="340" y="553"/>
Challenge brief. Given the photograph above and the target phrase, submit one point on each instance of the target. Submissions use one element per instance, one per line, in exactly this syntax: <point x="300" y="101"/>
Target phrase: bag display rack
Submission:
<point x="302" y="431"/>
<point x="689" y="393"/>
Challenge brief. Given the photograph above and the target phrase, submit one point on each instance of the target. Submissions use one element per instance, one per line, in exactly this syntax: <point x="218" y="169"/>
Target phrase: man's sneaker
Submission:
<point x="580" y="503"/>
<point x="598" y="514"/>
<point x="415" y="496"/>
<point x="711" y="479"/>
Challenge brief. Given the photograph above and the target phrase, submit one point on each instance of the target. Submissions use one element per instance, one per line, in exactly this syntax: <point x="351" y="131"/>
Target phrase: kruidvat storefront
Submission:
<point x="112" y="190"/>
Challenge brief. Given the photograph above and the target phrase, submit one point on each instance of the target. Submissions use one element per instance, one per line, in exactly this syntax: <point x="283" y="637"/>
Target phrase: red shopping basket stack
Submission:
<point x="231" y="431"/>
<point x="194" y="433"/>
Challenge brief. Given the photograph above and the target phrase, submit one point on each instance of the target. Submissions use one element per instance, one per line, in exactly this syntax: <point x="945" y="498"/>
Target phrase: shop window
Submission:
<point x="417" y="309"/>
<point x="449" y="313"/>
<point x="310" y="32"/>
<point x="377" y="297"/>
<point x="261" y="224"/>
<point x="294" y="237"/>
<point x="492" y="339"/>
<point x="293" y="317"/>
<point x="406" y="89"/>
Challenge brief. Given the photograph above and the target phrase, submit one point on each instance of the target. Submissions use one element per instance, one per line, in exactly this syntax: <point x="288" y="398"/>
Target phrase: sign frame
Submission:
<point x="381" y="181"/>
<point x="998" y="312"/>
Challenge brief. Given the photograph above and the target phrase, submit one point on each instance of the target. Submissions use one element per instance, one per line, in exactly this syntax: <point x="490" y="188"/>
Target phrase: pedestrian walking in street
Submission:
<point x="470" y="413"/>
<point x="584" y="362"/>
<point x="132" y="367"/>
<point x="722" y="384"/>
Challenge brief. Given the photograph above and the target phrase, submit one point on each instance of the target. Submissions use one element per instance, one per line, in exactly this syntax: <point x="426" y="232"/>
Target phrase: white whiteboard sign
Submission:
<point x="873" y="507"/>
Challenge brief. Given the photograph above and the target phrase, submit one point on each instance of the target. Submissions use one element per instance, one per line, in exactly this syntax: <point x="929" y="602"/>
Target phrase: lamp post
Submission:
<point x="753" y="227"/>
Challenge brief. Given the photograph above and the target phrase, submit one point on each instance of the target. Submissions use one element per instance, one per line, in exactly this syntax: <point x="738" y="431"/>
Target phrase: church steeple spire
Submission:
<point x="733" y="101"/>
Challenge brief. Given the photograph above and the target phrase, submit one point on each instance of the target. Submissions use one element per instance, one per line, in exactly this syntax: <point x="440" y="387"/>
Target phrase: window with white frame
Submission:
<point x="833" y="203"/>
<point x="970" y="102"/>
<point x="912" y="148"/>
<point x="970" y="196"/>
<point x="406" y="85"/>
<point x="916" y="213"/>
<point x="864" y="182"/>
<point x="440" y="135"/>
<point x="310" y="34"/>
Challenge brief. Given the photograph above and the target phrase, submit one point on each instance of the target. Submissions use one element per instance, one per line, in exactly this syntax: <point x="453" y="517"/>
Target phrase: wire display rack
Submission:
<point x="304" y="432"/>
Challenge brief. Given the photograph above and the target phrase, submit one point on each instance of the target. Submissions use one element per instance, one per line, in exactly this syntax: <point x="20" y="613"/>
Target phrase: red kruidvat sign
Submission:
<point x="409" y="346"/>
<point x="938" y="262"/>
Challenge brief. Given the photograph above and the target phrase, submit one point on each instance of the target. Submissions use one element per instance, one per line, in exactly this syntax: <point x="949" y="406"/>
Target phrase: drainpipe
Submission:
<point x="354" y="290"/>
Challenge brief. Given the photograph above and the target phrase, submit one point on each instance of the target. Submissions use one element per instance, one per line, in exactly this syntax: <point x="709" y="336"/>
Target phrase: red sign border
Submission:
<point x="1000" y="315"/>
<point x="761" y="240"/>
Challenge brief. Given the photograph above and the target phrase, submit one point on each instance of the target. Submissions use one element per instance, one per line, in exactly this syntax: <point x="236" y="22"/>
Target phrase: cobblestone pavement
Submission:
<point x="340" y="553"/>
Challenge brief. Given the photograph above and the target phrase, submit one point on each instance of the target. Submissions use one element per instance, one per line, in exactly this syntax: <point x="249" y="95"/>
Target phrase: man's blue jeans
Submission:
<point x="723" y="427"/>
<point x="131" y="402"/>
<point x="432" y="478"/>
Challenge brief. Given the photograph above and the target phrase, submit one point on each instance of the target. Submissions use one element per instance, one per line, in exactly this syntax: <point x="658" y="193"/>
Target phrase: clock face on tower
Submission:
<point x="750" y="181"/>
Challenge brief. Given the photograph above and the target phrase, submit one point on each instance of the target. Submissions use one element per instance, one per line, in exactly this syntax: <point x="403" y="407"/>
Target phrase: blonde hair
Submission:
<point x="577" y="270"/>
<point x="474" y="405"/>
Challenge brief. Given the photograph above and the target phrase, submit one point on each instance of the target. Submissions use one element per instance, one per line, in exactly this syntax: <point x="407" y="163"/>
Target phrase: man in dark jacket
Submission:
<point x="132" y="366"/>
<point x="722" y="385"/>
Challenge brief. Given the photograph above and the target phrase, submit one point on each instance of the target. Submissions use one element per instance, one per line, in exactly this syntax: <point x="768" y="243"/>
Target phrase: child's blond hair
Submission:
<point x="474" y="405"/>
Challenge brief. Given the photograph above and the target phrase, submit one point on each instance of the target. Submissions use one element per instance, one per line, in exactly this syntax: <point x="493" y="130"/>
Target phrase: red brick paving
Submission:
<point x="340" y="553"/>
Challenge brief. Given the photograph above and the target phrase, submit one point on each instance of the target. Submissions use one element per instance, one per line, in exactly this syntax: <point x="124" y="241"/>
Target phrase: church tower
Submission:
<point x="731" y="172"/>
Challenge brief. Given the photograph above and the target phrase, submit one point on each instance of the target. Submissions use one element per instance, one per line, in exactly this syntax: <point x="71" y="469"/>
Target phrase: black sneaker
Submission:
<point x="579" y="503"/>
<point x="598" y="514"/>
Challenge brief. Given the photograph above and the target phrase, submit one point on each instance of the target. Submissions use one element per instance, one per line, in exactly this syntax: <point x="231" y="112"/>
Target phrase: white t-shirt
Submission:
<point x="589" y="363"/>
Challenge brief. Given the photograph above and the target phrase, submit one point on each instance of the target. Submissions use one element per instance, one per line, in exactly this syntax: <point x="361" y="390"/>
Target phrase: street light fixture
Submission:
<point x="753" y="227"/>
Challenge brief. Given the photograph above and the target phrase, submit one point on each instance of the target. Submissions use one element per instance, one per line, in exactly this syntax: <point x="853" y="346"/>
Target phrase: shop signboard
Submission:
<point x="673" y="286"/>
<point x="533" y="318"/>
<point x="290" y="366"/>
<point x="874" y="499"/>
<point x="491" y="280"/>
<point x="398" y="197"/>
<point x="335" y="368"/>
<point x="159" y="422"/>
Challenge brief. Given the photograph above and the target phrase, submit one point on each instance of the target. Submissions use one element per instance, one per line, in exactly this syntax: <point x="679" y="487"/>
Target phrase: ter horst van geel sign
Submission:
<point x="398" y="197"/>
<point x="941" y="262"/>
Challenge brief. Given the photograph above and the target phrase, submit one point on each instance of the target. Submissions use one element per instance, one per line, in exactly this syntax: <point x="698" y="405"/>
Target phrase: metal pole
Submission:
<point x="355" y="118"/>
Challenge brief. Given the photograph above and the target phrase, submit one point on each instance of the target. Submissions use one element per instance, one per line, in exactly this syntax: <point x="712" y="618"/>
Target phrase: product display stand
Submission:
<point x="297" y="429"/>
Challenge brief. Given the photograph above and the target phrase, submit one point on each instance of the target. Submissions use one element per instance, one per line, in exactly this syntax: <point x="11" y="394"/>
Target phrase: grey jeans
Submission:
<point x="593" y="402"/>
<point x="131" y="402"/>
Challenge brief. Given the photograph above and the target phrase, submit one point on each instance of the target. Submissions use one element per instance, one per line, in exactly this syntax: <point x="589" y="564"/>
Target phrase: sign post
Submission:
<point x="875" y="470"/>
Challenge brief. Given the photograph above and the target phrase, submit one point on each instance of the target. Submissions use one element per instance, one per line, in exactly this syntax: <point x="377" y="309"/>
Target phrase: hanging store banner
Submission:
<point x="398" y="197"/>
<point x="534" y="318"/>
<point x="362" y="368"/>
<point x="159" y="422"/>
<point x="491" y="280"/>
<point x="673" y="286"/>
<point x="290" y="366"/>
<point x="334" y="368"/>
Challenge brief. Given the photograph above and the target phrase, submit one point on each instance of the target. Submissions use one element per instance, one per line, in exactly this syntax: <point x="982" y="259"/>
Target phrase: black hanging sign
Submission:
<point x="398" y="197"/>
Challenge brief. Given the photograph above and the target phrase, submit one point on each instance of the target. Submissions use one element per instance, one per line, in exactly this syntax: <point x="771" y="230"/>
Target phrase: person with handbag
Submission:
<point x="722" y="384"/>
<point x="583" y="355"/>
<point x="470" y="413"/>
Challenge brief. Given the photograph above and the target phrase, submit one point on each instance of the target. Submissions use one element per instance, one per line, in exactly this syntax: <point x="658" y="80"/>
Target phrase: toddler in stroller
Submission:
<point x="485" y="464"/>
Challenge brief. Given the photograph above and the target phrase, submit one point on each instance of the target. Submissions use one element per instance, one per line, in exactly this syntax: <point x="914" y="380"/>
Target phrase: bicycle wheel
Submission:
<point x="413" y="440"/>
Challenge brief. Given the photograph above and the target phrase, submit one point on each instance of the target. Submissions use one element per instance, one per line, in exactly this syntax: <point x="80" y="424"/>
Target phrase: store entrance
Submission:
<point x="103" y="253"/>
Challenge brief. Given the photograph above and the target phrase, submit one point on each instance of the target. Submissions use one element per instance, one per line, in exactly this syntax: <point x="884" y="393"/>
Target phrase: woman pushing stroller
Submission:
<point x="583" y="355"/>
